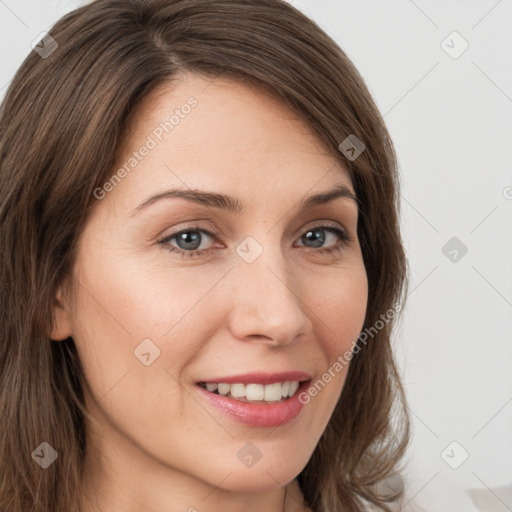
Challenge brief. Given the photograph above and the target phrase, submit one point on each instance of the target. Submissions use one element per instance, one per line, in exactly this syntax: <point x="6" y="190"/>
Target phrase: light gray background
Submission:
<point x="451" y="122"/>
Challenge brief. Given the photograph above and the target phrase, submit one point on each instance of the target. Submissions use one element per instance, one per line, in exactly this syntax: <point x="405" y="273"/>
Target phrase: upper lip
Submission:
<point x="261" y="378"/>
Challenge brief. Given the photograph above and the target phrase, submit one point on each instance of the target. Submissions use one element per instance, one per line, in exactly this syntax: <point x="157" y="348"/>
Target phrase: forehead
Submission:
<point x="220" y="133"/>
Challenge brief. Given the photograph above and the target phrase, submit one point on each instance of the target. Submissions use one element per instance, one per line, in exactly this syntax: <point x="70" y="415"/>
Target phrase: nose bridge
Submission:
<point x="265" y="302"/>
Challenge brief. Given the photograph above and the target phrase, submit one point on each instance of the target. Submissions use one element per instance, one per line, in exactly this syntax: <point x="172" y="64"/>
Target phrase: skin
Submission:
<point x="155" y="444"/>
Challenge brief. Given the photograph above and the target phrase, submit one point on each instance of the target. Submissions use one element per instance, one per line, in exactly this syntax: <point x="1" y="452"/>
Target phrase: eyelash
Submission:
<point x="343" y="237"/>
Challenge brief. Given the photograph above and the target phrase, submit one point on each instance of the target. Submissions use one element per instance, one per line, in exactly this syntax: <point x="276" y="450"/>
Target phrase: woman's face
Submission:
<point x="266" y="288"/>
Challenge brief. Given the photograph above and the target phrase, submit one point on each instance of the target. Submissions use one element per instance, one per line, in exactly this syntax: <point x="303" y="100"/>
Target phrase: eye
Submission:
<point x="340" y="236"/>
<point x="189" y="240"/>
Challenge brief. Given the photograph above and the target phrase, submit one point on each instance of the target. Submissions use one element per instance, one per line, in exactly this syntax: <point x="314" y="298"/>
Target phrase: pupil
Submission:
<point x="320" y="239"/>
<point x="187" y="238"/>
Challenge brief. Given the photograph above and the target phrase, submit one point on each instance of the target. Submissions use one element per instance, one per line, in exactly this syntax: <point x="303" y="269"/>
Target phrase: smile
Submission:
<point x="253" y="392"/>
<point x="257" y="404"/>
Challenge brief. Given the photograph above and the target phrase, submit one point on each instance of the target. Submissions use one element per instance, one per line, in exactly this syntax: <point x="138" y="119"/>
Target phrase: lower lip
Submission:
<point x="258" y="415"/>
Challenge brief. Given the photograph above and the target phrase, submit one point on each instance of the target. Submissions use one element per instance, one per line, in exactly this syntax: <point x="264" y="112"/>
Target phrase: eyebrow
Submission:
<point x="231" y="204"/>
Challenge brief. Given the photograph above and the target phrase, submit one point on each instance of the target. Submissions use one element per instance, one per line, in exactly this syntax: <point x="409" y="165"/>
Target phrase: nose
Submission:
<point x="266" y="302"/>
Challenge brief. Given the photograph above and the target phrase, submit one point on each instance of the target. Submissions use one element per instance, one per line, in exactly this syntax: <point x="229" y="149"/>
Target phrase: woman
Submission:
<point x="170" y="339"/>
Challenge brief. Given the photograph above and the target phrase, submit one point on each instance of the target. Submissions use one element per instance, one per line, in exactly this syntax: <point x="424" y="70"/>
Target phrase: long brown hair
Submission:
<point x="61" y="123"/>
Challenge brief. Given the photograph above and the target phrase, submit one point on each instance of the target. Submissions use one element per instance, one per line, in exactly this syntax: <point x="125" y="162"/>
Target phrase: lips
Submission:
<point x="260" y="378"/>
<point x="257" y="414"/>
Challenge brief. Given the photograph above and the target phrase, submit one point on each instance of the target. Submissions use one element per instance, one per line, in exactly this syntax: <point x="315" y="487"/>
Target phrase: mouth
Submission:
<point x="253" y="403"/>
<point x="255" y="393"/>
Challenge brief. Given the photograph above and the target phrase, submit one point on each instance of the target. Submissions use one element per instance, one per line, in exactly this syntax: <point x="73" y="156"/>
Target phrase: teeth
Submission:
<point x="293" y="388"/>
<point x="237" y="390"/>
<point x="273" y="392"/>
<point x="224" y="389"/>
<point x="256" y="392"/>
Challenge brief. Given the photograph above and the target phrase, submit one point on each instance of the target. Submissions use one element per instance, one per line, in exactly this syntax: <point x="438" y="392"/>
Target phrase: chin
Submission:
<point x="259" y="478"/>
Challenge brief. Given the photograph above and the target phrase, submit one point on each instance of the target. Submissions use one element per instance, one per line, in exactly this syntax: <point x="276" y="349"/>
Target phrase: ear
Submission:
<point x="62" y="317"/>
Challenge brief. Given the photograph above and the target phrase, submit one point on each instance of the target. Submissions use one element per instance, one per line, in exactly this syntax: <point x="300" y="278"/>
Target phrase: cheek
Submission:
<point x="127" y="316"/>
<point x="154" y="298"/>
<point x="339" y="311"/>
<point x="123" y="304"/>
<point x="340" y="308"/>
